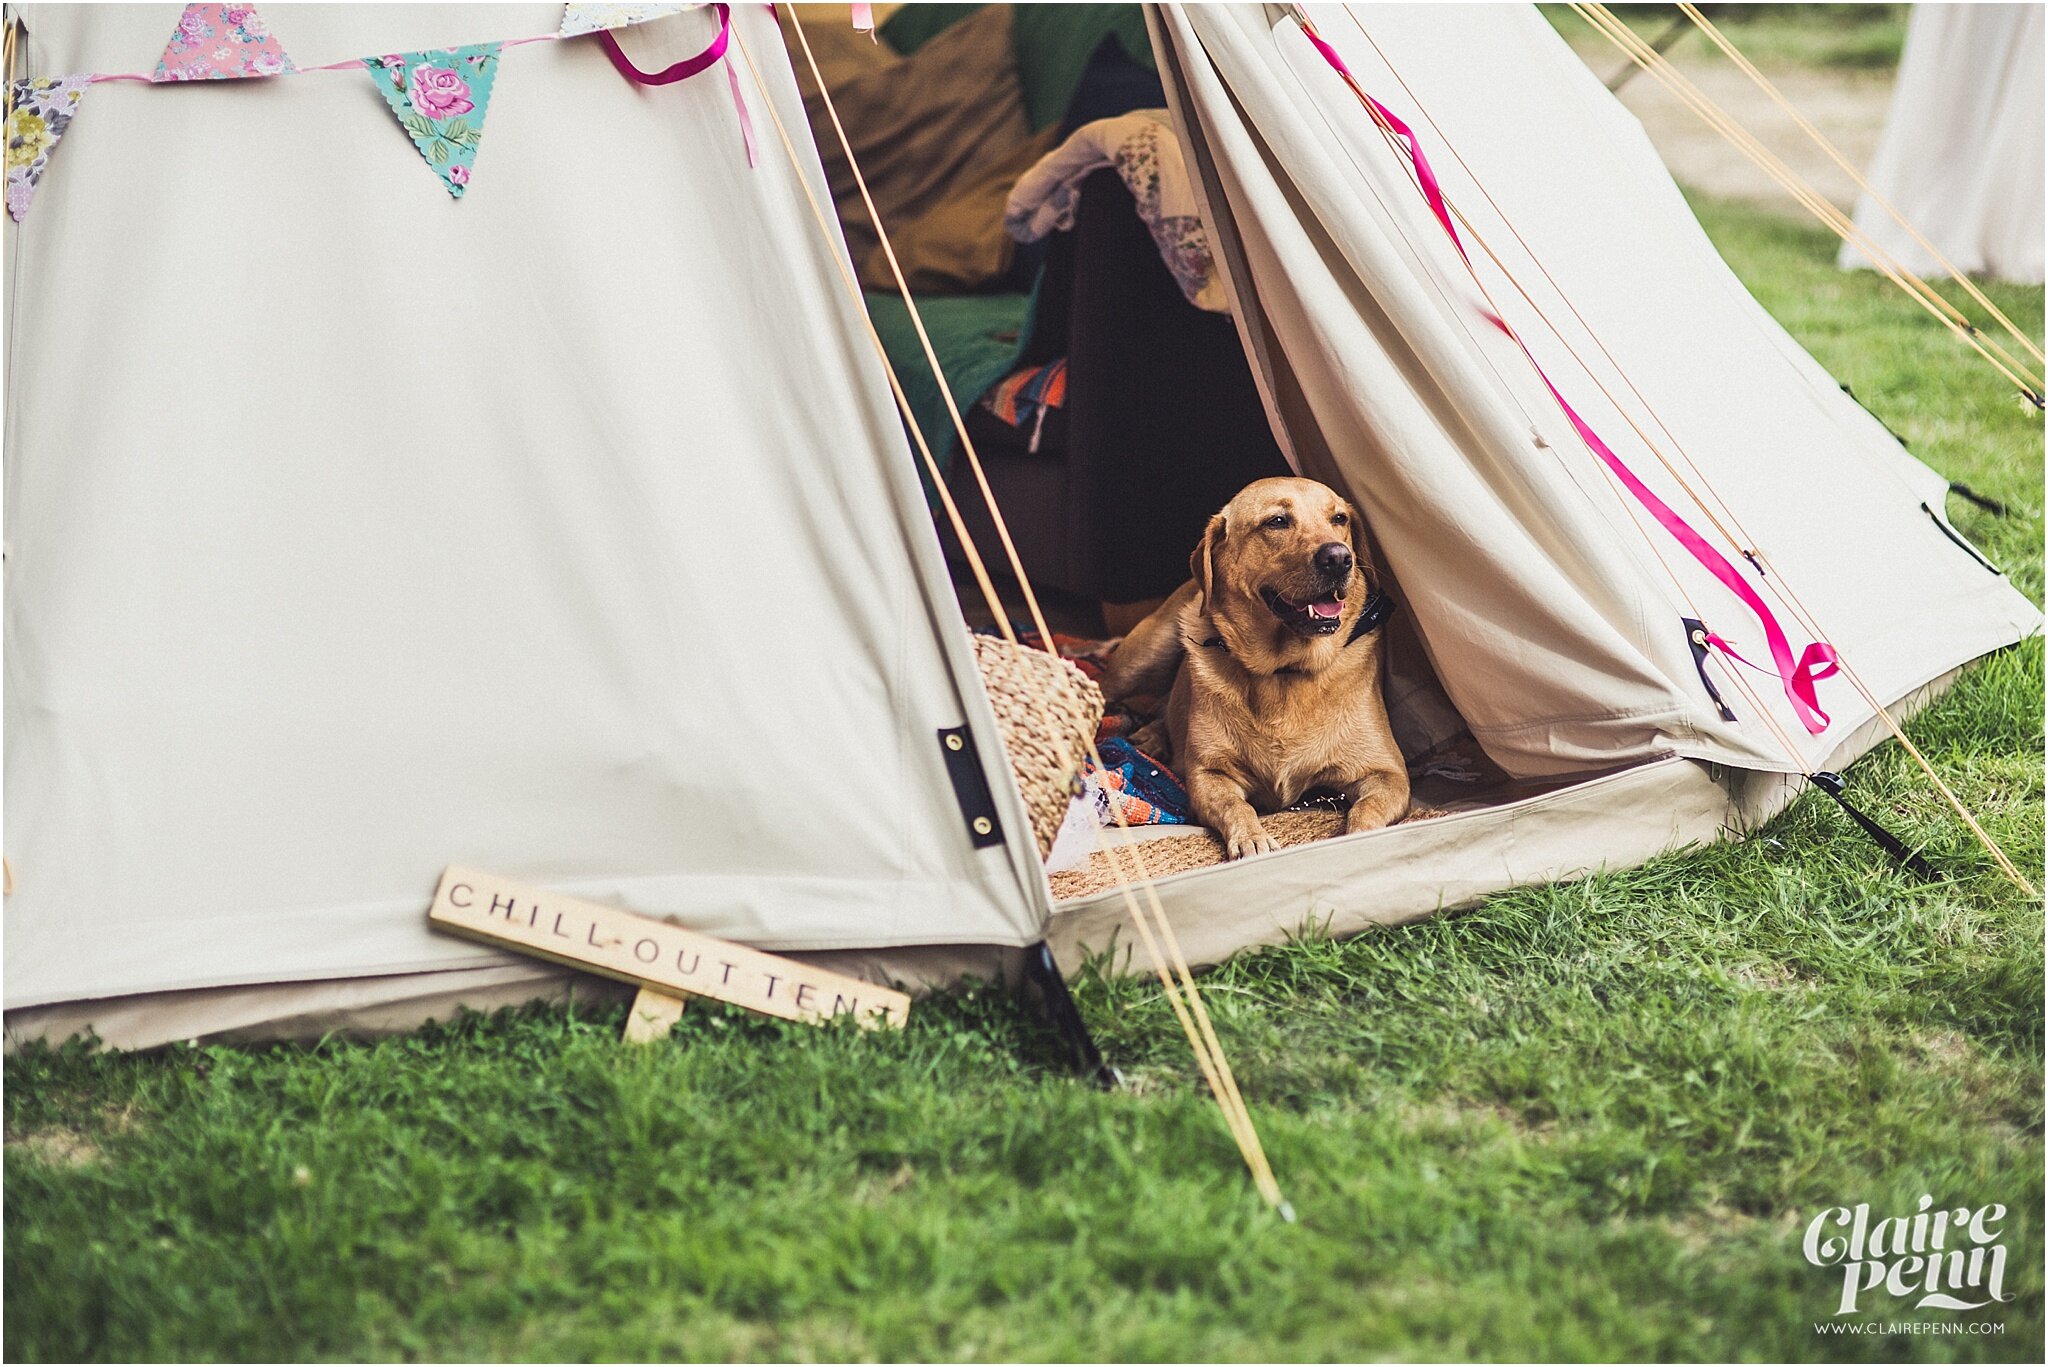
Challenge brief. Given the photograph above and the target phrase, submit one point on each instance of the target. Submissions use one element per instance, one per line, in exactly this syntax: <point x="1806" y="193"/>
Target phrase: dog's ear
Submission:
<point x="1202" y="564"/>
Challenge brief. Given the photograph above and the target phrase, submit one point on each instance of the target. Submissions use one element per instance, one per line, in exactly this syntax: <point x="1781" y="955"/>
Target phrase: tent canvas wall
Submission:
<point x="568" y="530"/>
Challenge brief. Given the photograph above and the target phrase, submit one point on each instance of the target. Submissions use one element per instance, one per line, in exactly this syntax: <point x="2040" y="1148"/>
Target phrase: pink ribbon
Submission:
<point x="680" y="71"/>
<point x="863" y="19"/>
<point x="1799" y="674"/>
<point x="688" y="67"/>
<point x="1824" y="660"/>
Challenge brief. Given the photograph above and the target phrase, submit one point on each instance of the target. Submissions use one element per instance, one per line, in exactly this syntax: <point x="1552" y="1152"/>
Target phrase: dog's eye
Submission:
<point x="1279" y="522"/>
<point x="1339" y="520"/>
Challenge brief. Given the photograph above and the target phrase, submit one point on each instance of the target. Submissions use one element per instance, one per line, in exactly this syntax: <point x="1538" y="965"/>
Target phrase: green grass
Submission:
<point x="1585" y="1121"/>
<point x="1852" y="37"/>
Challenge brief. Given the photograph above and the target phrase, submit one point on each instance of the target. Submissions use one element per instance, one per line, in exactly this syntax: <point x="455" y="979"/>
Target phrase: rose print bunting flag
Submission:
<point x="43" y="107"/>
<point x="221" y="43"/>
<point x="440" y="99"/>
<point x="578" y="19"/>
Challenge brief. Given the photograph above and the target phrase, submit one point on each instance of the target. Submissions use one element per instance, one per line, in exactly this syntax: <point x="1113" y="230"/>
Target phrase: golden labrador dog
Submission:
<point x="1273" y="655"/>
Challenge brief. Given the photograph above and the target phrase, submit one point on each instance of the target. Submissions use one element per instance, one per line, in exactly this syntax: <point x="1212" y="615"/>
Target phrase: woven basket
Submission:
<point x="1046" y="712"/>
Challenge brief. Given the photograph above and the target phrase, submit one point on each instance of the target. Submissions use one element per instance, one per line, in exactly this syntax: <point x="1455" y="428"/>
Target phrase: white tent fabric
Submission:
<point x="1962" y="157"/>
<point x="1543" y="594"/>
<point x="566" y="530"/>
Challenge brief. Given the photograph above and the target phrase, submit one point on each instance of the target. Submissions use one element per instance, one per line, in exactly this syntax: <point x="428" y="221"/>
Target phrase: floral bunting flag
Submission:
<point x="440" y="98"/>
<point x="578" y="19"/>
<point x="221" y="43"/>
<point x="43" y="107"/>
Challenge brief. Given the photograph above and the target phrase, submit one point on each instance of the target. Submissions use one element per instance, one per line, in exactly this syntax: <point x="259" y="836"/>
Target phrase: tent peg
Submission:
<point x="1056" y="1006"/>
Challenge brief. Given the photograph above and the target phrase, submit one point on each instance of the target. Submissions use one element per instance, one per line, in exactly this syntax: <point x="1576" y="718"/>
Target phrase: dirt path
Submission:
<point x="1849" y="106"/>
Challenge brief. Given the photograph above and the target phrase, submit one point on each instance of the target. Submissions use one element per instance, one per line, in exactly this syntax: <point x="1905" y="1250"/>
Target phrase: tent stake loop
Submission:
<point x="1832" y="785"/>
<point x="1697" y="636"/>
<point x="1056" y="1004"/>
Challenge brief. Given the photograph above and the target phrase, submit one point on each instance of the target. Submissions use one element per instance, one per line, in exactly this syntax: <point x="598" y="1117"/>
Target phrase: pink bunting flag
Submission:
<point x="221" y="43"/>
<point x="440" y="98"/>
<point x="43" y="107"/>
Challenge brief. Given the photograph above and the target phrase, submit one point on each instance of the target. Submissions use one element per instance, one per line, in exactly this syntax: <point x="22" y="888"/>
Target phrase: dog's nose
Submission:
<point x="1333" y="558"/>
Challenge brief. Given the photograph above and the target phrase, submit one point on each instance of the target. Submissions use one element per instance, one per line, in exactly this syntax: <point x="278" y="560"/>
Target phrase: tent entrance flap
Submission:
<point x="1548" y="603"/>
<point x="1554" y="582"/>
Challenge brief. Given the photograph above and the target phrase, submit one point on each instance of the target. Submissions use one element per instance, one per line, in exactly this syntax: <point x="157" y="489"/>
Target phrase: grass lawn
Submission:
<point x="1857" y="37"/>
<point x="1586" y="1121"/>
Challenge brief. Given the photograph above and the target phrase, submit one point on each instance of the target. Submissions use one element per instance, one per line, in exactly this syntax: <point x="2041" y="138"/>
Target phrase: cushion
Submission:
<point x="958" y="245"/>
<point x="1053" y="44"/>
<point x="920" y="124"/>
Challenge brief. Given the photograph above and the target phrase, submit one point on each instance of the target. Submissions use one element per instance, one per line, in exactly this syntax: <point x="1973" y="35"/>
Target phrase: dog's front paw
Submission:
<point x="1366" y="816"/>
<point x="1247" y="837"/>
<point x="1378" y="803"/>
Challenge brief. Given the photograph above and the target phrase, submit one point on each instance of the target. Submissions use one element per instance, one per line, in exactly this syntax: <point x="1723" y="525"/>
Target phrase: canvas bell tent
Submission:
<point x="567" y="528"/>
<point x="1962" y="154"/>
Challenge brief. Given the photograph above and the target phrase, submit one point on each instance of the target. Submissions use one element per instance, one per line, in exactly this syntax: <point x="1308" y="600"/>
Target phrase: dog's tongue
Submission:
<point x="1325" y="607"/>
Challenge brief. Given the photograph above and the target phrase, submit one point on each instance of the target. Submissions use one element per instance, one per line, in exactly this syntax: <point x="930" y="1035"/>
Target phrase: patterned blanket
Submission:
<point x="1142" y="147"/>
<point x="1023" y="399"/>
<point x="1144" y="791"/>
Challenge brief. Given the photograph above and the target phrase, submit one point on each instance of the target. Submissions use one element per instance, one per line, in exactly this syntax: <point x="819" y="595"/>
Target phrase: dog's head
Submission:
<point x="1283" y="560"/>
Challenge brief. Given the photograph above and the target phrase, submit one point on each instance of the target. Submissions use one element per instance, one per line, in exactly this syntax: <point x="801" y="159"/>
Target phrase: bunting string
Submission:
<point x="439" y="96"/>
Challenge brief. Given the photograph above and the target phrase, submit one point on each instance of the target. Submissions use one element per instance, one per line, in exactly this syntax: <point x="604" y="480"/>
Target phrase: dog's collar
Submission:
<point x="1378" y="608"/>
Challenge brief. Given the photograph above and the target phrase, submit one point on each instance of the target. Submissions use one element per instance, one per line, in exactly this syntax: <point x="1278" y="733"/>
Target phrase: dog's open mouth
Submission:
<point x="1316" y="617"/>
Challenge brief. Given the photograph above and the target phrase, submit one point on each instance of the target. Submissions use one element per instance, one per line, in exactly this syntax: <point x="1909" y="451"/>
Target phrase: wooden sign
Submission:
<point x="651" y="1016"/>
<point x="655" y="954"/>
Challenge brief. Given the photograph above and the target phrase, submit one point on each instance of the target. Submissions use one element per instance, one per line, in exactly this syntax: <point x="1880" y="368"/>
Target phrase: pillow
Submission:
<point x="918" y="124"/>
<point x="1052" y="43"/>
<point x="1032" y="405"/>
<point x="958" y="245"/>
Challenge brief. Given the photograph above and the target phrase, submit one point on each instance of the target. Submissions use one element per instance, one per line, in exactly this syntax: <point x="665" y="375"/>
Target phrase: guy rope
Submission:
<point x="1659" y="66"/>
<point x="1154" y="929"/>
<point x="1834" y="154"/>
